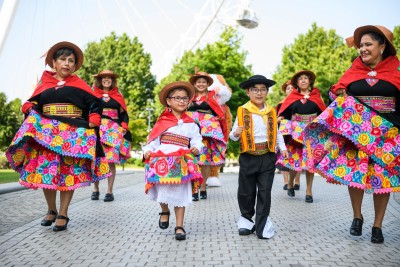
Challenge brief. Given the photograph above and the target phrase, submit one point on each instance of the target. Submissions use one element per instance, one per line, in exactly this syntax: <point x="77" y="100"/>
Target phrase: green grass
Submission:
<point x="8" y="176"/>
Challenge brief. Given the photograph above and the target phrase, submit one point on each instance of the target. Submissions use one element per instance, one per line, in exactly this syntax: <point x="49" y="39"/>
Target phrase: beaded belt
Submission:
<point x="62" y="109"/>
<point x="111" y="113"/>
<point x="304" y="117"/>
<point x="383" y="104"/>
<point x="174" y="139"/>
<point x="261" y="149"/>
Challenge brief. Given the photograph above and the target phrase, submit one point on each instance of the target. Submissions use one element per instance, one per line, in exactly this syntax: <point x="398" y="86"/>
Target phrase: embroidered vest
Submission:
<point x="247" y="143"/>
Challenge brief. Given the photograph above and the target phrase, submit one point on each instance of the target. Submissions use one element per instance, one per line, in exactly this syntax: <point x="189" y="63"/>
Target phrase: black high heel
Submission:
<point x="164" y="225"/>
<point x="57" y="228"/>
<point x="49" y="222"/>
<point x="356" y="226"/>
<point x="180" y="236"/>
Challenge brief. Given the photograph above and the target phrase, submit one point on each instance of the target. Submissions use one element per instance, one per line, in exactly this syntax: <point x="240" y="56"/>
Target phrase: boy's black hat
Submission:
<point x="256" y="79"/>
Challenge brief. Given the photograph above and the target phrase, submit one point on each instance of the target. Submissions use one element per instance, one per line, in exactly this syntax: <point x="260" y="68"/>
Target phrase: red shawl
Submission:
<point x="388" y="70"/>
<point x="114" y="94"/>
<point x="315" y="97"/>
<point x="214" y="105"/>
<point x="165" y="121"/>
<point x="48" y="81"/>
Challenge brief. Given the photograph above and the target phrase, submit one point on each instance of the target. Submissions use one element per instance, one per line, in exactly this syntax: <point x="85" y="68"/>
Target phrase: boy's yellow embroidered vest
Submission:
<point x="245" y="119"/>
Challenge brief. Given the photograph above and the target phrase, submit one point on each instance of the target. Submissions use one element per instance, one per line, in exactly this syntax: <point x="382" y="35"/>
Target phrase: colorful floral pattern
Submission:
<point x="213" y="152"/>
<point x="115" y="146"/>
<point x="43" y="150"/>
<point x="173" y="169"/>
<point x="297" y="148"/>
<point x="355" y="146"/>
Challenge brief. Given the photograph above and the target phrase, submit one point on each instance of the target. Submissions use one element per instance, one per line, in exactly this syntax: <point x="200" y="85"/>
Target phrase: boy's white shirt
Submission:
<point x="260" y="133"/>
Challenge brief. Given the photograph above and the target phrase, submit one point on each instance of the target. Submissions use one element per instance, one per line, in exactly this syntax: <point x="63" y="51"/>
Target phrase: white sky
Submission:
<point x="167" y="27"/>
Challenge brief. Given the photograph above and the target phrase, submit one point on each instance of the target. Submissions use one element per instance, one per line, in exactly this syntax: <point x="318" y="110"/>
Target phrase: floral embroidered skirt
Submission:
<point x="55" y="155"/>
<point x="292" y="131"/>
<point x="115" y="146"/>
<point x="179" y="167"/>
<point x="353" y="145"/>
<point x="213" y="152"/>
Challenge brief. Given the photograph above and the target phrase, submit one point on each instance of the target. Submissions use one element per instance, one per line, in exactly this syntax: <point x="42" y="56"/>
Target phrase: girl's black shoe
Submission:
<point x="377" y="236"/>
<point x="164" y="225"/>
<point x="195" y="196"/>
<point x="180" y="236"/>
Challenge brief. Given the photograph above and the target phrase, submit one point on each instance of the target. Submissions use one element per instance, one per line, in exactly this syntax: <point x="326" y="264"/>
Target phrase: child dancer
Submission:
<point x="256" y="128"/>
<point x="171" y="170"/>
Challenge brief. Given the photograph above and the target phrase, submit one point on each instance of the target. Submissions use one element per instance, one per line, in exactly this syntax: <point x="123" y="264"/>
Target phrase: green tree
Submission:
<point x="11" y="119"/>
<point x="126" y="57"/>
<point x="396" y="41"/>
<point x="224" y="57"/>
<point x="323" y="52"/>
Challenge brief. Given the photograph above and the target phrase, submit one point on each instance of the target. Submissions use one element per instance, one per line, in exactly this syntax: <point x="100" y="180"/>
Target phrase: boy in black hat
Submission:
<point x="256" y="129"/>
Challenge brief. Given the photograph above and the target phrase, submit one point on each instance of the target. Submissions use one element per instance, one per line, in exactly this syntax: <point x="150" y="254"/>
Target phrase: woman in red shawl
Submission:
<point x="356" y="140"/>
<point x="56" y="148"/>
<point x="114" y="134"/>
<point x="298" y="109"/>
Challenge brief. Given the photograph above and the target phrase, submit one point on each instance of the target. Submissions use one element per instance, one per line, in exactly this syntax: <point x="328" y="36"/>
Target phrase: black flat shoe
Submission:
<point x="285" y="187"/>
<point x="309" y="199"/>
<point x="296" y="187"/>
<point x="95" y="195"/>
<point x="195" y="196"/>
<point x="108" y="197"/>
<point x="245" y="231"/>
<point x="203" y="194"/>
<point x="57" y="228"/>
<point x="49" y="222"/>
<point x="290" y="192"/>
<point x="377" y="236"/>
<point x="356" y="226"/>
<point x="164" y="225"/>
<point x="180" y="236"/>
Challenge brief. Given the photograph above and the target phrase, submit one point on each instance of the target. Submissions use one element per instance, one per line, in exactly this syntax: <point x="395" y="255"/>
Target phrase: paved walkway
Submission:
<point x="125" y="232"/>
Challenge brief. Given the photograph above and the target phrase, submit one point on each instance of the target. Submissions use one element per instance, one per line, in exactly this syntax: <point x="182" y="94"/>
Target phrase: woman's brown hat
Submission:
<point x="171" y="86"/>
<point x="106" y="73"/>
<point x="54" y="48"/>
<point x="384" y="32"/>
<point x="285" y="85"/>
<point x="309" y="73"/>
<point x="200" y="74"/>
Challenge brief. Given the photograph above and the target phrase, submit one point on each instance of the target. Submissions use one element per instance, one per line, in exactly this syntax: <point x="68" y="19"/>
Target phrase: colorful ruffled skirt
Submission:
<point x="292" y="131"/>
<point x="179" y="167"/>
<point x="116" y="147"/>
<point x="355" y="146"/>
<point x="55" y="155"/>
<point x="213" y="152"/>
